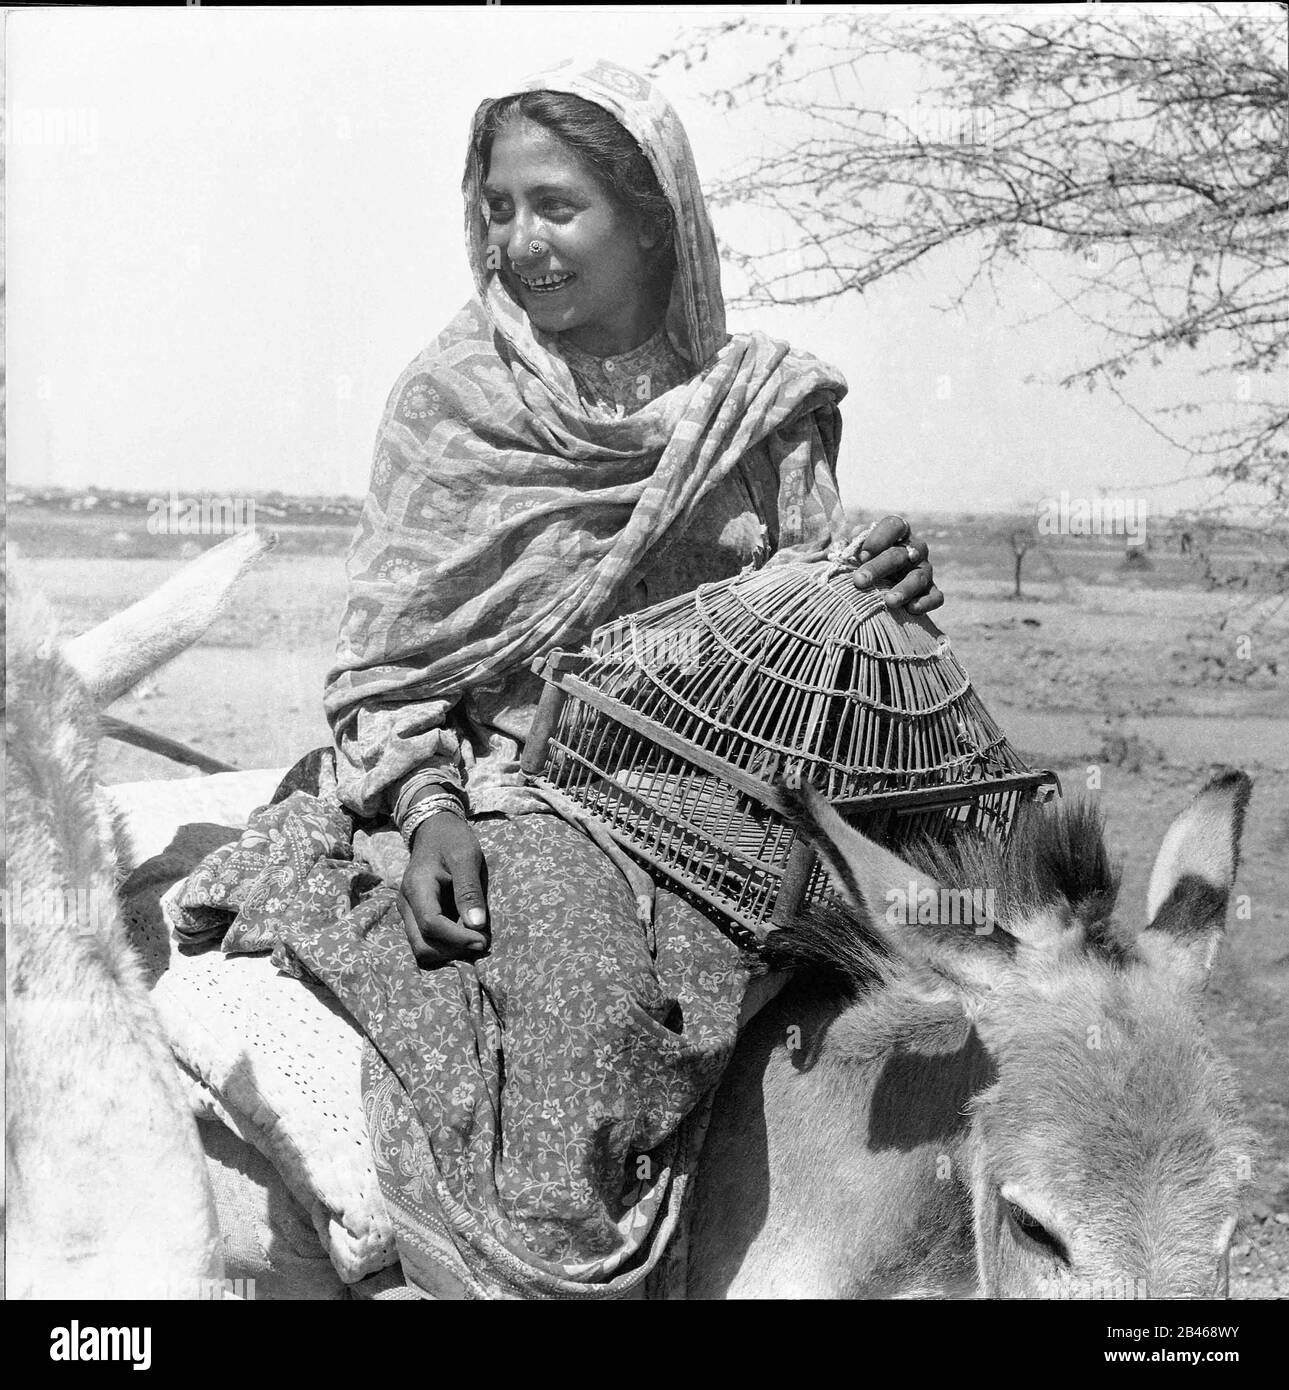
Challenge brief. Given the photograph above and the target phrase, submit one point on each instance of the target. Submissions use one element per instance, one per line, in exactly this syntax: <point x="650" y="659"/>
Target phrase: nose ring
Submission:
<point x="535" y="247"/>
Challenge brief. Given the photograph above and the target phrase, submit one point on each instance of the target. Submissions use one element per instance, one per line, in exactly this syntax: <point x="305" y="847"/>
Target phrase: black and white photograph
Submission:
<point x="646" y="659"/>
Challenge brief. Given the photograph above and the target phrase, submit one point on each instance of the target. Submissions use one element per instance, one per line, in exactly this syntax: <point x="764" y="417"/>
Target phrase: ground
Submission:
<point x="1130" y="683"/>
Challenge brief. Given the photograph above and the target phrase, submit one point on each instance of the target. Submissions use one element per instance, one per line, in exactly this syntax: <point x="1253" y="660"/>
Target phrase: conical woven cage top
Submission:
<point x="673" y="727"/>
<point x="792" y="669"/>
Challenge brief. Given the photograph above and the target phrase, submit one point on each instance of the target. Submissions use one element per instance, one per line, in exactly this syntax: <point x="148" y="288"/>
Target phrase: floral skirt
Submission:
<point x="532" y="1113"/>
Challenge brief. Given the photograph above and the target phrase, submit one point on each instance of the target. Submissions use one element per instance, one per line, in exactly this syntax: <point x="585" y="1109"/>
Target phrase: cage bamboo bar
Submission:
<point x="671" y="729"/>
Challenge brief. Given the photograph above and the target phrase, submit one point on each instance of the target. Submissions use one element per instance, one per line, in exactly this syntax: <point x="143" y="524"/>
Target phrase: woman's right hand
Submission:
<point x="445" y="875"/>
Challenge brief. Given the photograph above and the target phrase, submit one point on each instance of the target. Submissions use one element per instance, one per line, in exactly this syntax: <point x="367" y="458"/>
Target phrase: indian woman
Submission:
<point x="584" y="439"/>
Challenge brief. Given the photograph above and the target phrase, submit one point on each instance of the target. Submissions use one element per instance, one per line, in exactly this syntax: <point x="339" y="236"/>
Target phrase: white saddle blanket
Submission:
<point x="273" y="1059"/>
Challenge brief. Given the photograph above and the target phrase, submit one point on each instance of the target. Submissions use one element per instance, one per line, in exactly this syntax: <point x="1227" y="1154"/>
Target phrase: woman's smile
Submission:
<point x="545" y="284"/>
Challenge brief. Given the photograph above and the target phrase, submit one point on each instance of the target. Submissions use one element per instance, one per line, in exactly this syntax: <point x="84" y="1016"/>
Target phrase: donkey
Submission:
<point x="1023" y="1108"/>
<point x="107" y="1189"/>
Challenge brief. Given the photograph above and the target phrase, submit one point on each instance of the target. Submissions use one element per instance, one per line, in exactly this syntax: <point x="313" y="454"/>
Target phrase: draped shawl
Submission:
<point x="504" y="518"/>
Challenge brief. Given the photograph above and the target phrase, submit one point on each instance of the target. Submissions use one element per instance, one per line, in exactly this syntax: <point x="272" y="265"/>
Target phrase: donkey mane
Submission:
<point x="1055" y="860"/>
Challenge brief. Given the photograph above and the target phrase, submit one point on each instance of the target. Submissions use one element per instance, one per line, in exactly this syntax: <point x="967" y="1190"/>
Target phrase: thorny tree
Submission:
<point x="1143" y="148"/>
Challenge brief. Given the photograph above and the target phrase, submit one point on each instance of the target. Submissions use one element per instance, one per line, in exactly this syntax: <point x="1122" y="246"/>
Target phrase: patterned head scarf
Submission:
<point x="695" y="319"/>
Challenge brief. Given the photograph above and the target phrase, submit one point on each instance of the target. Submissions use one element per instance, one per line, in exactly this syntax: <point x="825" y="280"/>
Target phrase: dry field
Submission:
<point x="1136" y="683"/>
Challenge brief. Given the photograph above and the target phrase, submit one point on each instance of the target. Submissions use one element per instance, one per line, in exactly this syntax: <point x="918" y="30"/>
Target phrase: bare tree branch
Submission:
<point x="1138" y="156"/>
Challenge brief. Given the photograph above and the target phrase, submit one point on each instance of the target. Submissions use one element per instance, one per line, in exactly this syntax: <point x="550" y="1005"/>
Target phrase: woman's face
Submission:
<point x="589" y="277"/>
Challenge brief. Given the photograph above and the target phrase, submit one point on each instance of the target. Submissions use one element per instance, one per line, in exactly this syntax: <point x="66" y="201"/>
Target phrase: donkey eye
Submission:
<point x="1032" y="1229"/>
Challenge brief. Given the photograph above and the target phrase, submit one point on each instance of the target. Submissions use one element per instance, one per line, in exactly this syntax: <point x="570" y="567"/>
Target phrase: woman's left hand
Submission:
<point x="892" y="555"/>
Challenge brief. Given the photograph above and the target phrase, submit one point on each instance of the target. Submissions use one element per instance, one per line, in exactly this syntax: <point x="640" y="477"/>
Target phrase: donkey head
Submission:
<point x="1107" y="1157"/>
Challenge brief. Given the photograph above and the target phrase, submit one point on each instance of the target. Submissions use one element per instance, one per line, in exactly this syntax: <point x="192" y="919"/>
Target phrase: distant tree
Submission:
<point x="1022" y="540"/>
<point x="1146" y="148"/>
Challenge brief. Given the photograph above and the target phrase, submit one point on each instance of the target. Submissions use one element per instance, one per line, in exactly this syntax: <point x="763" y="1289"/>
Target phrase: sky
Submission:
<point x="230" y="230"/>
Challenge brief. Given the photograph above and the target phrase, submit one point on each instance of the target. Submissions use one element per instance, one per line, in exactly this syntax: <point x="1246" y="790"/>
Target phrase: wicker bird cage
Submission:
<point x="671" y="729"/>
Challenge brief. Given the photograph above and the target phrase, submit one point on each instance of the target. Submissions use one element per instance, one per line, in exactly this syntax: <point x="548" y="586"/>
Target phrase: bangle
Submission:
<point x="423" y="810"/>
<point x="418" y="781"/>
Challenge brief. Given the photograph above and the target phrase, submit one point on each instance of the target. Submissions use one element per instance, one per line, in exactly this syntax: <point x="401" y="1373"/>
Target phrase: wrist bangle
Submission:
<point x="423" y="810"/>
<point x="418" y="781"/>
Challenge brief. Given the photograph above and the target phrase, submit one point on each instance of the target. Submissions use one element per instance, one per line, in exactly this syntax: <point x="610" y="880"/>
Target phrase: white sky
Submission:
<point x="255" y="223"/>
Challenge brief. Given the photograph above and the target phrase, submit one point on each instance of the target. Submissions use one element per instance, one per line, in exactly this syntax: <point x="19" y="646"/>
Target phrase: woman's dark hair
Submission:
<point x="606" y="147"/>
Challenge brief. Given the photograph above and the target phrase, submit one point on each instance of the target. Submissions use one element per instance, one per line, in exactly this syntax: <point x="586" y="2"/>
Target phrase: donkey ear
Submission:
<point x="887" y="892"/>
<point x="861" y="871"/>
<point x="113" y="657"/>
<point x="1193" y="876"/>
